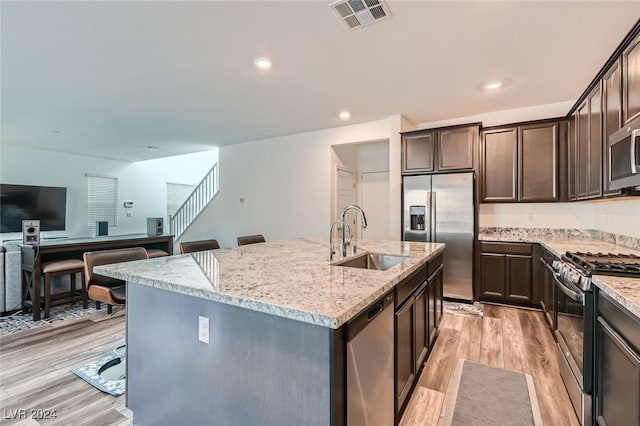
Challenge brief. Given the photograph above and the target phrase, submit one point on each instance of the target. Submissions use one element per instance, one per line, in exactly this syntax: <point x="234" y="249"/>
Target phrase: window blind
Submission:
<point x="102" y="195"/>
<point x="177" y="193"/>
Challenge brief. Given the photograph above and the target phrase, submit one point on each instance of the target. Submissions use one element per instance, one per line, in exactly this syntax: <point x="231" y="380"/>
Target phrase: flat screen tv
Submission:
<point x="47" y="204"/>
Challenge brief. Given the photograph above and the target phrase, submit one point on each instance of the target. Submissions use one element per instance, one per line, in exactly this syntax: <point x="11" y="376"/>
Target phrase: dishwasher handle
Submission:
<point x="358" y="323"/>
<point x="375" y="311"/>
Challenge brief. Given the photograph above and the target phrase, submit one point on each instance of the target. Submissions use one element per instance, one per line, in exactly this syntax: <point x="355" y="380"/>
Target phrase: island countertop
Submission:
<point x="291" y="279"/>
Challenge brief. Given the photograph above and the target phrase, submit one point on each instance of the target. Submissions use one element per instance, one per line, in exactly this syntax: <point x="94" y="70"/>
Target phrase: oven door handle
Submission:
<point x="574" y="295"/>
<point x="635" y="139"/>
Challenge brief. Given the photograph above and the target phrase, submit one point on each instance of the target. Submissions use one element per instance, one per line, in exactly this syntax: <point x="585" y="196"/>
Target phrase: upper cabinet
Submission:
<point x="631" y="80"/>
<point x="446" y="149"/>
<point x="538" y="162"/>
<point x="418" y="152"/>
<point x="499" y="161"/>
<point x="588" y="155"/>
<point x="520" y="163"/>
<point x="611" y="117"/>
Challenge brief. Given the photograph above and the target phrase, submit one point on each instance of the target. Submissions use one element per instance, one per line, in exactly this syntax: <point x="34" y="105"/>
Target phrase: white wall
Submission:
<point x="618" y="216"/>
<point x="286" y="183"/>
<point x="144" y="183"/>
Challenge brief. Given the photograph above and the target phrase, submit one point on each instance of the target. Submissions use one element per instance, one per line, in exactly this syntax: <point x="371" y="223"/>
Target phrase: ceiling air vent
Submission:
<point x="358" y="13"/>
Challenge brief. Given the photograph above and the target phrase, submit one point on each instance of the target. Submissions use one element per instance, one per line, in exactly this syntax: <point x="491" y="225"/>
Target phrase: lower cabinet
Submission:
<point x="417" y="316"/>
<point x="617" y="365"/>
<point x="405" y="344"/>
<point x="506" y="272"/>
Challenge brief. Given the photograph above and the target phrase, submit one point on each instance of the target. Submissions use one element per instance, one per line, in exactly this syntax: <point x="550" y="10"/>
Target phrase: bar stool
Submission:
<point x="156" y="253"/>
<point x="60" y="268"/>
<point x="250" y="239"/>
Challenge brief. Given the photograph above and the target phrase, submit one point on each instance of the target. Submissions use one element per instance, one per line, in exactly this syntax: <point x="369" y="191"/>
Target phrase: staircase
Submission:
<point x="201" y="196"/>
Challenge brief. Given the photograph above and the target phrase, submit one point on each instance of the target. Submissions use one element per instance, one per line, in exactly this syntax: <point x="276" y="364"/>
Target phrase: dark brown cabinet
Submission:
<point x="456" y="148"/>
<point x="435" y="303"/>
<point x="631" y="80"/>
<point x="418" y="152"/>
<point x="405" y="344"/>
<point x="499" y="160"/>
<point x="611" y="118"/>
<point x="538" y="162"/>
<point x="439" y="149"/>
<point x="421" y="312"/>
<point x="417" y="315"/>
<point x="493" y="280"/>
<point x="589" y="146"/>
<point x="506" y="272"/>
<point x="521" y="163"/>
<point x="572" y="158"/>
<point x="617" y="365"/>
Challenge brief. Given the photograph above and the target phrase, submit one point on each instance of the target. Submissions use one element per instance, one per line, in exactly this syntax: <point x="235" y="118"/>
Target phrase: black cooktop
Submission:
<point x="624" y="265"/>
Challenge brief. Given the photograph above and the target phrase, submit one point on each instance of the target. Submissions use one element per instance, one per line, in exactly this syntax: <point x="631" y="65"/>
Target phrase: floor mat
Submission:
<point x="507" y="397"/>
<point x="474" y="310"/>
<point x="107" y="373"/>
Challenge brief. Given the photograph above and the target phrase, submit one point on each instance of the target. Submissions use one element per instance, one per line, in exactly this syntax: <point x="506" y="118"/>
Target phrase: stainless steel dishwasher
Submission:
<point x="370" y="365"/>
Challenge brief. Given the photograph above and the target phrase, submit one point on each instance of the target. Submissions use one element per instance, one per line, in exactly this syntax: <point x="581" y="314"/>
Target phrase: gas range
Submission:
<point x="624" y="265"/>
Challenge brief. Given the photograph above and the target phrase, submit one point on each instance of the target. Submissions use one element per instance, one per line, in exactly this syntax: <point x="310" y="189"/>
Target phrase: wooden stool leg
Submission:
<point x="72" y="284"/>
<point x="85" y="301"/>
<point x="47" y="294"/>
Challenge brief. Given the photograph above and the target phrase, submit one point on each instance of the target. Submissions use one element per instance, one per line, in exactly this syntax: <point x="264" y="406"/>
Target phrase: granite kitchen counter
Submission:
<point x="625" y="291"/>
<point x="290" y="279"/>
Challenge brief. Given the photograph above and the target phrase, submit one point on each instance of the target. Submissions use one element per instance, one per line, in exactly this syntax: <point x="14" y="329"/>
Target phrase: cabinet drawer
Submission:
<point x="434" y="264"/>
<point x="506" y="248"/>
<point x="408" y="285"/>
<point x="627" y="325"/>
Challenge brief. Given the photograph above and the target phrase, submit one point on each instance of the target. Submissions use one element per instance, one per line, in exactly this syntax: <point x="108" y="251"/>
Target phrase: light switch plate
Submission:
<point x="203" y="329"/>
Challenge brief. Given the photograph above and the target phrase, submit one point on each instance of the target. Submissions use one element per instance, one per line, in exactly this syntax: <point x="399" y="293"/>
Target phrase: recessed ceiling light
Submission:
<point x="263" y="63"/>
<point x="344" y="115"/>
<point x="493" y="85"/>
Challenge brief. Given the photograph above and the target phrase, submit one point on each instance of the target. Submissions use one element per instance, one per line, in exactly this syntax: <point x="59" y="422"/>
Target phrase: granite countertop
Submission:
<point x="626" y="291"/>
<point x="291" y="279"/>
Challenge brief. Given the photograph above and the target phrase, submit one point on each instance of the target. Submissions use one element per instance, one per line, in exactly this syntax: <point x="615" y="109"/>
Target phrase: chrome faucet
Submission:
<point x="343" y="224"/>
<point x="363" y="220"/>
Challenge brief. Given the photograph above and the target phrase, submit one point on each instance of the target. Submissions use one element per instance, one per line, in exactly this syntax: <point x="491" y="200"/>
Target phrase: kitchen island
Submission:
<point x="278" y="319"/>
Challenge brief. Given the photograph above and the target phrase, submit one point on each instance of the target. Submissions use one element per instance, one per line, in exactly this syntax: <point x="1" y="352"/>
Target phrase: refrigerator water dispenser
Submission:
<point x="417" y="217"/>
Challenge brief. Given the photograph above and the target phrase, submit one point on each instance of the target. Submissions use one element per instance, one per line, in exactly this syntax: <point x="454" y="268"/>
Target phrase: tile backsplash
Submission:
<point x="616" y="216"/>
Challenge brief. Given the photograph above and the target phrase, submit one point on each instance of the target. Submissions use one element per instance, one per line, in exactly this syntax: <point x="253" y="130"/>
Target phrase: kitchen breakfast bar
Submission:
<point x="278" y="317"/>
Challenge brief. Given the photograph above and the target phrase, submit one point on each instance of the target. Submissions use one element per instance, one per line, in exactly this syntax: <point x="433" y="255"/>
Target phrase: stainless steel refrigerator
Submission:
<point x="440" y="208"/>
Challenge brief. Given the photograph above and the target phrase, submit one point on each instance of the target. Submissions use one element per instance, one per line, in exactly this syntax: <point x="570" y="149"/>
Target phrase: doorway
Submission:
<point x="374" y="200"/>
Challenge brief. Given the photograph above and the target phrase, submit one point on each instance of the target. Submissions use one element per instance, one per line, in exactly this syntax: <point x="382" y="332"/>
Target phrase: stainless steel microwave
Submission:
<point x="624" y="157"/>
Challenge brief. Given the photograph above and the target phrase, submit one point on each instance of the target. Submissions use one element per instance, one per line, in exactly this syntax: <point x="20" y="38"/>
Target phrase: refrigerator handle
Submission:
<point x="433" y="216"/>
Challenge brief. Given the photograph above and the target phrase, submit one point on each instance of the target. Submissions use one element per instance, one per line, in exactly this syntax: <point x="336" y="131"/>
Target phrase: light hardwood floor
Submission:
<point x="34" y="372"/>
<point x="511" y="338"/>
<point x="34" y="366"/>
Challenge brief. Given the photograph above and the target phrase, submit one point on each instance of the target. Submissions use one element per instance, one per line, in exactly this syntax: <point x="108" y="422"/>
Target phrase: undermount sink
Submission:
<point x="375" y="261"/>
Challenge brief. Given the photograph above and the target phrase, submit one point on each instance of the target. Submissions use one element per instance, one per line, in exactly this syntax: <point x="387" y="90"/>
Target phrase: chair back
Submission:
<point x="107" y="257"/>
<point x="251" y="239"/>
<point x="193" y="246"/>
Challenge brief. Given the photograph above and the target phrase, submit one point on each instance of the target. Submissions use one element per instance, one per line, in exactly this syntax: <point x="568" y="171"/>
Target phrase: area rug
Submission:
<point x="19" y="321"/>
<point x="466" y="309"/>
<point x="107" y="373"/>
<point x="482" y="395"/>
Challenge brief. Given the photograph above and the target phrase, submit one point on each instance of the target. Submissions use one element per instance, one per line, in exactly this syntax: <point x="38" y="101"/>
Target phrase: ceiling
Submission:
<point x="111" y="78"/>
